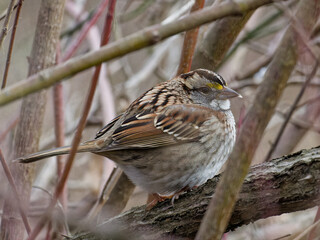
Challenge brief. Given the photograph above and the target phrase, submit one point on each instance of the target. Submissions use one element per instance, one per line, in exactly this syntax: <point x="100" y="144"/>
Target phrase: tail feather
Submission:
<point x="89" y="146"/>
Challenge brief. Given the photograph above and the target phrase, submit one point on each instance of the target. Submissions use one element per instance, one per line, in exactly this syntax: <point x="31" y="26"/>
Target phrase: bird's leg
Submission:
<point x="154" y="198"/>
<point x="177" y="194"/>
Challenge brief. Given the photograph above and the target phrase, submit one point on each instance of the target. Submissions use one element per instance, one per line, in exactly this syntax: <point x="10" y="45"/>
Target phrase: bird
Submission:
<point x="174" y="137"/>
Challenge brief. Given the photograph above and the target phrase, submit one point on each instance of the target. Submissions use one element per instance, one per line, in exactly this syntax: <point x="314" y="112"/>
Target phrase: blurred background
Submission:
<point x="124" y="79"/>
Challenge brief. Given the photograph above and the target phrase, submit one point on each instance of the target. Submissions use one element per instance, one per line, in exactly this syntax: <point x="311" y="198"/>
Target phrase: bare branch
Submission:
<point x="136" y="41"/>
<point x="292" y="109"/>
<point x="189" y="43"/>
<point x="267" y="97"/>
<point x="5" y="26"/>
<point x="291" y="184"/>
<point x="31" y="115"/>
<point x="15" y="191"/>
<point x="82" y="122"/>
<point x="13" y="34"/>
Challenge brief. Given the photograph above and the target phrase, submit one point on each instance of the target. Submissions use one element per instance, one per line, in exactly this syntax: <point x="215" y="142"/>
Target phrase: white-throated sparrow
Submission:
<point x="175" y="136"/>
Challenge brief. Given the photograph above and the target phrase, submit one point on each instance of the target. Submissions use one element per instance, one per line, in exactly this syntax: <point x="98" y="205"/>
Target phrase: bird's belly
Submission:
<point x="168" y="170"/>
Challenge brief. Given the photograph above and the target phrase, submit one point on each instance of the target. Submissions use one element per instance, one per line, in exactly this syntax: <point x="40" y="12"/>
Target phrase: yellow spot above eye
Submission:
<point x="215" y="85"/>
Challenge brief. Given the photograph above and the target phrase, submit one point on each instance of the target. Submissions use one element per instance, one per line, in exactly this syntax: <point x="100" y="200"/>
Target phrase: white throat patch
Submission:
<point x="220" y="104"/>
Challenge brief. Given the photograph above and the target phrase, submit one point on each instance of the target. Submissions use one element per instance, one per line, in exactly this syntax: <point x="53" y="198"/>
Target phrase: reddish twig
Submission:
<point x="75" y="44"/>
<point x="13" y="34"/>
<point x="242" y="116"/>
<point x="309" y="101"/>
<point x="312" y="231"/>
<point x="15" y="192"/>
<point x="189" y="44"/>
<point x="49" y="229"/>
<point x="253" y="67"/>
<point x="12" y="124"/>
<point x="59" y="130"/>
<point x="300" y="30"/>
<point x="223" y="201"/>
<point x="133" y="42"/>
<point x="4" y="30"/>
<point x="303" y="36"/>
<point x="292" y="109"/>
<point x="81" y="125"/>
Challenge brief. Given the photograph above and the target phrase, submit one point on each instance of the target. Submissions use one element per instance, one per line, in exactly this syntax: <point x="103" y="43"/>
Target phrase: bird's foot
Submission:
<point x="154" y="198"/>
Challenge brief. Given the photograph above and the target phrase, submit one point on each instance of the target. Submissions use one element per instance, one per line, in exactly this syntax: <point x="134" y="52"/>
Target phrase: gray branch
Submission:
<point x="283" y="185"/>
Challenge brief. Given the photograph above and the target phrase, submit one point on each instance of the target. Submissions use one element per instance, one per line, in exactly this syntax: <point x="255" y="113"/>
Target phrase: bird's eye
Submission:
<point x="204" y="90"/>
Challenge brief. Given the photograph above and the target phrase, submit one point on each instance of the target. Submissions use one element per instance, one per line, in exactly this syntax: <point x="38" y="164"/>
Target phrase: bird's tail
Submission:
<point x="90" y="146"/>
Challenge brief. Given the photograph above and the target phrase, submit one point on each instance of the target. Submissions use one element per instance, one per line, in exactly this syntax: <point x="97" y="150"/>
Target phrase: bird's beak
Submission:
<point x="227" y="93"/>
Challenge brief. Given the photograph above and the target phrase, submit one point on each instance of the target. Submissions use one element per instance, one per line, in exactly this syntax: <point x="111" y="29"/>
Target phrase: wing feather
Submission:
<point x="174" y="124"/>
<point x="108" y="126"/>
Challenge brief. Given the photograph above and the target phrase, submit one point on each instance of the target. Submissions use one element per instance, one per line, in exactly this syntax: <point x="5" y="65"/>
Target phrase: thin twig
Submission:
<point x="59" y="128"/>
<point x="136" y="12"/>
<point x="79" y="25"/>
<point x="307" y="231"/>
<point x="309" y="101"/>
<point x="13" y="34"/>
<point x="223" y="201"/>
<point x="296" y="24"/>
<point x="189" y="43"/>
<point x="105" y="193"/>
<point x="15" y="192"/>
<point x="4" y="13"/>
<point x="107" y="106"/>
<point x="11" y="125"/>
<point x="252" y="34"/>
<point x="49" y="229"/>
<point x="311" y="235"/>
<point x="253" y="67"/>
<point x="292" y="109"/>
<point x="301" y="123"/>
<point x="59" y="205"/>
<point x="236" y="85"/>
<point x="4" y="31"/>
<point x="105" y="40"/>
<point x="75" y="44"/>
<point x="82" y="123"/>
<point x="133" y="42"/>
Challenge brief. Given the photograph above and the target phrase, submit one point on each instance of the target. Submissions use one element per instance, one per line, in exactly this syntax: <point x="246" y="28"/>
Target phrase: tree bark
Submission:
<point x="254" y="124"/>
<point x="283" y="185"/>
<point x="212" y="49"/>
<point x="31" y="116"/>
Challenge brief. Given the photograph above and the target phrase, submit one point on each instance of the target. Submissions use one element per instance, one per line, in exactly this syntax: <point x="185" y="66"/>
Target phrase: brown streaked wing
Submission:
<point x="107" y="127"/>
<point x="139" y="132"/>
<point x="183" y="121"/>
<point x="175" y="124"/>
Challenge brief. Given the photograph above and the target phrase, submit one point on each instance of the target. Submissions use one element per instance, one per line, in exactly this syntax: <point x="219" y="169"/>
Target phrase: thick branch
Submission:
<point x="211" y="51"/>
<point x="251" y="131"/>
<point x="283" y="185"/>
<point x="31" y="115"/>
<point x="136" y="41"/>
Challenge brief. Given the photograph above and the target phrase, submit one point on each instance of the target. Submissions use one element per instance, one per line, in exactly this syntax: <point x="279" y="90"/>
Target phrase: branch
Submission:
<point x="13" y="34"/>
<point x="211" y="51"/>
<point x="131" y="43"/>
<point x="82" y="122"/>
<point x="189" y="43"/>
<point x="4" y="31"/>
<point x="31" y="116"/>
<point x="283" y="185"/>
<point x="275" y="79"/>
